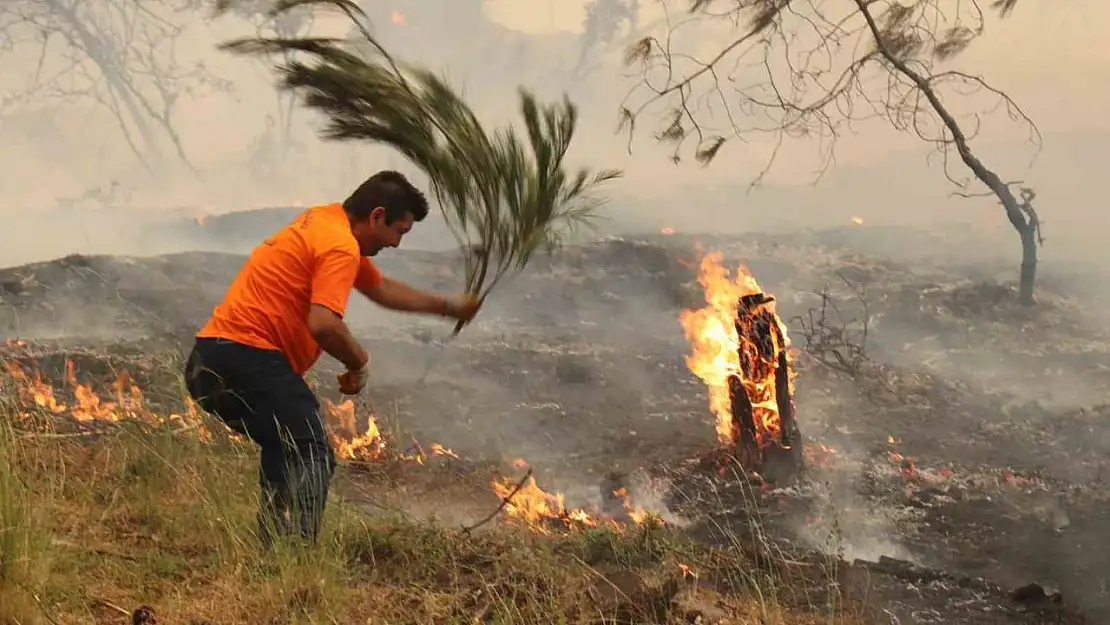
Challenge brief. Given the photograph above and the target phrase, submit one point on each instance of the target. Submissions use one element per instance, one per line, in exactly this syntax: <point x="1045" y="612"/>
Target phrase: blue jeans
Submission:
<point x="257" y="394"/>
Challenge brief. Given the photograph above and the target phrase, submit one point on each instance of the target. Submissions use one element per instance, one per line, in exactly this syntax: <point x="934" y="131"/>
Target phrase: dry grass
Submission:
<point x="144" y="516"/>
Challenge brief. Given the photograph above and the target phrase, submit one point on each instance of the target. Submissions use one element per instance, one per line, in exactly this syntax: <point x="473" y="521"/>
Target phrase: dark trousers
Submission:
<point x="256" y="393"/>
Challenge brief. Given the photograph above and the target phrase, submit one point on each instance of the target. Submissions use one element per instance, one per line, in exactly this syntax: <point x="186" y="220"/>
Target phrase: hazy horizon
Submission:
<point x="52" y="156"/>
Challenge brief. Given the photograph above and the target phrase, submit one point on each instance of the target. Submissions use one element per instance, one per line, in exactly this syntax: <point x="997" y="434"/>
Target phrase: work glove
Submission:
<point x="462" y="307"/>
<point x="352" y="381"/>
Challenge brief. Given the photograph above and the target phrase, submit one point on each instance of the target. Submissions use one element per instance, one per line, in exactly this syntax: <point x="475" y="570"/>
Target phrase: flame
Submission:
<point x="906" y="464"/>
<point x="716" y="346"/>
<point x="397" y="18"/>
<point x="32" y="390"/>
<point x="369" y="444"/>
<point x="87" y="406"/>
<point x="820" y="454"/>
<point x="541" y="510"/>
<point x="638" y="515"/>
<point x="687" y="571"/>
<point x="349" y="444"/>
<point x="667" y="231"/>
<point x="858" y="221"/>
<point x="440" y="450"/>
<point x="127" y="403"/>
<point x="201" y="219"/>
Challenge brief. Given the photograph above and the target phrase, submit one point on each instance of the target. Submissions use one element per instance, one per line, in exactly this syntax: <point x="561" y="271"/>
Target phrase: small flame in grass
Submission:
<point x="348" y="442"/>
<point x="687" y="571"/>
<point x="857" y="221"/>
<point x="820" y="454"/>
<point x="128" y="403"/>
<point x="87" y="406"/>
<point x="667" y="231"/>
<point x="32" y="390"/>
<point x="542" y="511"/>
<point x="637" y="515"/>
<point x="440" y="450"/>
<point x="368" y="445"/>
<point x="905" y="464"/>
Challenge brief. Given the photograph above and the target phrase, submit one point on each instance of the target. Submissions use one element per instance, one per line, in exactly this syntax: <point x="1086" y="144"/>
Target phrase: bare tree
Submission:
<point x="814" y="68"/>
<point x="294" y="23"/>
<point x="119" y="53"/>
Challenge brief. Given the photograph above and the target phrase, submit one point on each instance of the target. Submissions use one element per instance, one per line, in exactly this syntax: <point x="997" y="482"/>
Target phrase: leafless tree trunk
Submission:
<point x="120" y="53"/>
<point x="1020" y="214"/>
<point x="150" y="154"/>
<point x="810" y="79"/>
<point x="289" y="24"/>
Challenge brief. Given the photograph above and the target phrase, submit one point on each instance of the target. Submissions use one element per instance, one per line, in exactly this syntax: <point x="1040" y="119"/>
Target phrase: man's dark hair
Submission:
<point x="392" y="191"/>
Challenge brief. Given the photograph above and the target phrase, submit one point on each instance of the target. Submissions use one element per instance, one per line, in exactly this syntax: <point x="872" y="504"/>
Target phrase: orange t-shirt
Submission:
<point x="313" y="260"/>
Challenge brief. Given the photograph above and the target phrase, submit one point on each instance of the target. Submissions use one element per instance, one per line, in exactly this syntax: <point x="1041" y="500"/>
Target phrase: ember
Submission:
<point x="740" y="350"/>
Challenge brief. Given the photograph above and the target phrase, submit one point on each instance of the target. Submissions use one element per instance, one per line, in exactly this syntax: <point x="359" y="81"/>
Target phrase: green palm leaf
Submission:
<point x="503" y="193"/>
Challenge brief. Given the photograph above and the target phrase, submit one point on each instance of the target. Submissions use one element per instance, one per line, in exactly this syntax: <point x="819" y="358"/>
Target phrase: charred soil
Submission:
<point x="939" y="477"/>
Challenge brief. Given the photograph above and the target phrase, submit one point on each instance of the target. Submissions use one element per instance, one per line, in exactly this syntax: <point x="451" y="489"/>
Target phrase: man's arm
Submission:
<point x="335" y="337"/>
<point x="397" y="295"/>
<point x="334" y="274"/>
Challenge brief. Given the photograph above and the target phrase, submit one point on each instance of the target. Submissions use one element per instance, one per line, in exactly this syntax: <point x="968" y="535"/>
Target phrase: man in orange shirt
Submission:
<point x="284" y="308"/>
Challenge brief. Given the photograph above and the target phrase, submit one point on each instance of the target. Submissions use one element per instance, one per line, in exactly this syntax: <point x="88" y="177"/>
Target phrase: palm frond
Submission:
<point x="505" y="192"/>
<point x="278" y="7"/>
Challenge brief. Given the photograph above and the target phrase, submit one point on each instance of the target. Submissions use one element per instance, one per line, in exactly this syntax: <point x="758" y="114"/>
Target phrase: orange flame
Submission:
<point x="32" y="390"/>
<point x="128" y="404"/>
<point x="716" y="346"/>
<point x="370" y="444"/>
<point x="541" y="510"/>
<point x="397" y="18"/>
<point x="345" y="438"/>
<point x="87" y="406"/>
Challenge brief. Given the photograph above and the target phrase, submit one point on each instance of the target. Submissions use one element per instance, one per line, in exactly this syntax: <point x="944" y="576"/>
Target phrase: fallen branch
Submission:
<point x="111" y="606"/>
<point x="100" y="552"/>
<point x="58" y="435"/>
<point x="28" y="434"/>
<point x="504" y="502"/>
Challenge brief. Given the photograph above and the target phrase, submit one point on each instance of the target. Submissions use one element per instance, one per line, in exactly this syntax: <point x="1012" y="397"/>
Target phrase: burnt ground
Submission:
<point x="966" y="457"/>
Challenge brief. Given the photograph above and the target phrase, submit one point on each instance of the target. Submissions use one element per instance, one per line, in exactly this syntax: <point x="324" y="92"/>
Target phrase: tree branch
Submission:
<point x="800" y="71"/>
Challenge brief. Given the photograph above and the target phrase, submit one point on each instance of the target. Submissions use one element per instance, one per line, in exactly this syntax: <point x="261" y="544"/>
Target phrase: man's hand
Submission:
<point x="352" y="381"/>
<point x="462" y="307"/>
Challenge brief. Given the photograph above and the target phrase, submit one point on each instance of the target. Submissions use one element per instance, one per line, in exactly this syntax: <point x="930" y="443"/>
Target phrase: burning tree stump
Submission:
<point x="764" y="431"/>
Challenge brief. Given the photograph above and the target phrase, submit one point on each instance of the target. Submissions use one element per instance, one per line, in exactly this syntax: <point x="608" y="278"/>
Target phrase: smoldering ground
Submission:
<point x="577" y="366"/>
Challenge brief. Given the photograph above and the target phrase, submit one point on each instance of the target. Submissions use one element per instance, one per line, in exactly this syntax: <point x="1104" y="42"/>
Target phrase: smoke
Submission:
<point x="69" y="154"/>
<point x="845" y="524"/>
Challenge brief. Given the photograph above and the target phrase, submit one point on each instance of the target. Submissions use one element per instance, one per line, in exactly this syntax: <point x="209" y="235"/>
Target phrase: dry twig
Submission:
<point x="830" y="338"/>
<point x="504" y="502"/>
